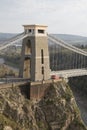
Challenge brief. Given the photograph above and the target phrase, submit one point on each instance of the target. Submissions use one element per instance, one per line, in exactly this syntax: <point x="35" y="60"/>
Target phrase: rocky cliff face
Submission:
<point x="57" y="110"/>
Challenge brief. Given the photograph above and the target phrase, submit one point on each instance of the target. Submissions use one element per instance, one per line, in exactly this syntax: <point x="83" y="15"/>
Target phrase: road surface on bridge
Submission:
<point x="70" y="73"/>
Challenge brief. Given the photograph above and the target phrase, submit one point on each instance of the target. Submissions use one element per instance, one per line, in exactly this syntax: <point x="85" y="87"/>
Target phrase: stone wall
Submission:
<point x="38" y="91"/>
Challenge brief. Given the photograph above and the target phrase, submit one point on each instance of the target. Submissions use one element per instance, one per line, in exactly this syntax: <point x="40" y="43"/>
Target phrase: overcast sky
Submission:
<point x="61" y="16"/>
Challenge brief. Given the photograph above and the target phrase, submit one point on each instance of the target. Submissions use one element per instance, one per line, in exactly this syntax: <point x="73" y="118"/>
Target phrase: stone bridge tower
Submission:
<point x="35" y="55"/>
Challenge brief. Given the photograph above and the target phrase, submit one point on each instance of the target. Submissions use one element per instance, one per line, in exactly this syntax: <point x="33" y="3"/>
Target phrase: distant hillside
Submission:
<point x="73" y="39"/>
<point x="5" y="36"/>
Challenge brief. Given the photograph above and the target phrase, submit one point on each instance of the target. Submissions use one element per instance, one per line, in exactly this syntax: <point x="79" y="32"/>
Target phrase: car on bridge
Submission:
<point x="56" y="77"/>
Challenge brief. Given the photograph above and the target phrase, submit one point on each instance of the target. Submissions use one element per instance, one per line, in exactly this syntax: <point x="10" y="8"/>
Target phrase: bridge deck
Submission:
<point x="14" y="80"/>
<point x="70" y="73"/>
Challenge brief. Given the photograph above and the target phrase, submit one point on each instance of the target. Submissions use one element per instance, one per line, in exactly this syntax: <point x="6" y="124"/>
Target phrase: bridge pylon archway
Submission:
<point x="35" y="56"/>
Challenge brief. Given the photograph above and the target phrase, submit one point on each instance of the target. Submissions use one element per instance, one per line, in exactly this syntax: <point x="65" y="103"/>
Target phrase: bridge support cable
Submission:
<point x="13" y="38"/>
<point x="69" y="60"/>
<point x="79" y="61"/>
<point x="66" y="45"/>
<point x="58" y="60"/>
<point x="86" y="62"/>
<point x="66" y="65"/>
<point x="63" y="58"/>
<point x="13" y="41"/>
<point x="55" y="59"/>
<point x="75" y="60"/>
<point x="52" y="55"/>
<point x="72" y="60"/>
<point x="83" y="62"/>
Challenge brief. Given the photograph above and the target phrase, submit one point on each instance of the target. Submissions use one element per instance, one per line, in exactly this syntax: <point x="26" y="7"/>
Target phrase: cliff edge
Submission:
<point x="57" y="110"/>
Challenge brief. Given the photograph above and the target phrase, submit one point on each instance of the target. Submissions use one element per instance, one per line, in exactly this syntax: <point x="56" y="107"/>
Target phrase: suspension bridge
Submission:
<point x="65" y="60"/>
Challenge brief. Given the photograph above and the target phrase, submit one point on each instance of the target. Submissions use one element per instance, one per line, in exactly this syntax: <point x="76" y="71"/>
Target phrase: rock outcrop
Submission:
<point x="57" y="110"/>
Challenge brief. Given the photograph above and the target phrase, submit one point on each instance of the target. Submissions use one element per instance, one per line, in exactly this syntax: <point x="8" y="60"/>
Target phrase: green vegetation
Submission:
<point x="12" y="56"/>
<point x="6" y="71"/>
<point x="68" y="94"/>
<point x="49" y="102"/>
<point x="12" y="60"/>
<point x="40" y="124"/>
<point x="76" y="124"/>
<point x="8" y="122"/>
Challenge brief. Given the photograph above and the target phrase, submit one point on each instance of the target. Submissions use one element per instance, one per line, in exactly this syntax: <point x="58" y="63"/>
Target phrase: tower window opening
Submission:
<point x="40" y="31"/>
<point x="42" y="57"/>
<point x="29" y="30"/>
<point x="42" y="70"/>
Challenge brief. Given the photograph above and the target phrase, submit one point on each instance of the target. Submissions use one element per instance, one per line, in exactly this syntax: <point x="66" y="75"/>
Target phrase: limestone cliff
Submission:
<point x="57" y="110"/>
